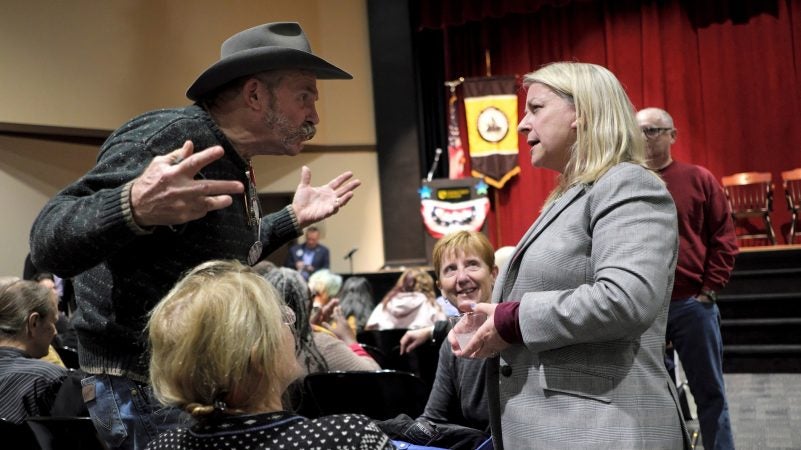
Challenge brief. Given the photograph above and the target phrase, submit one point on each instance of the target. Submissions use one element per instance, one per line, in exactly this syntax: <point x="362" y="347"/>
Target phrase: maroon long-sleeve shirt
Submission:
<point x="707" y="242"/>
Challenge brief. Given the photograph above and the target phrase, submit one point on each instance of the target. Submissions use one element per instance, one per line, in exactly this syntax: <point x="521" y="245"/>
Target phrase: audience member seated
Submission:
<point x="411" y="303"/>
<point x="456" y="415"/>
<point x="321" y="347"/>
<point x="264" y="266"/>
<point x="66" y="336"/>
<point x="437" y="333"/>
<point x="324" y="286"/>
<point x="356" y="300"/>
<point x="28" y="385"/>
<point x="233" y="387"/>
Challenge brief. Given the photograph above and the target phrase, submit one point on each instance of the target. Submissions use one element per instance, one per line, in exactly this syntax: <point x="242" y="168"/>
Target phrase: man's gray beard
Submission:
<point x="308" y="130"/>
<point x="305" y="132"/>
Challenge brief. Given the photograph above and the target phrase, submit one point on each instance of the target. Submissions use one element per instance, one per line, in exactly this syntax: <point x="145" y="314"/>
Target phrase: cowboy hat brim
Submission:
<point x="252" y="61"/>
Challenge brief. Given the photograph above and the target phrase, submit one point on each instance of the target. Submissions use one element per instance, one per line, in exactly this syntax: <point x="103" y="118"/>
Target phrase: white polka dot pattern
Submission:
<point x="277" y="431"/>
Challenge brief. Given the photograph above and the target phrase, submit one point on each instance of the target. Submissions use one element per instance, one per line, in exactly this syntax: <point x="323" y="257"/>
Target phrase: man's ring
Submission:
<point x="336" y="202"/>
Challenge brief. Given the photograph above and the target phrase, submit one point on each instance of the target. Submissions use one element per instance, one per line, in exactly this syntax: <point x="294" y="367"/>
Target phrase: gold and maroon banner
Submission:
<point x="490" y="105"/>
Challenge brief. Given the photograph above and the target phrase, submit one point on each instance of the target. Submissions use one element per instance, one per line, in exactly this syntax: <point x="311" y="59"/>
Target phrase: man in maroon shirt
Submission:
<point x="707" y="246"/>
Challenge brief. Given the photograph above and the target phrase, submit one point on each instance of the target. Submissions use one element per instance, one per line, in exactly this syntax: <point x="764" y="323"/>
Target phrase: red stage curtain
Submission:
<point x="727" y="71"/>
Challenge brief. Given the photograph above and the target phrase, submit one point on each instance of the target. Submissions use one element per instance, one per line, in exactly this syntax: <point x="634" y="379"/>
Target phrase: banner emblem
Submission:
<point x="492" y="124"/>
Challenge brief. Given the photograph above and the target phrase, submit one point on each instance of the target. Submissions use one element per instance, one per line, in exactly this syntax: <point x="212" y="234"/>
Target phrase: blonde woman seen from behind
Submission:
<point x="222" y="349"/>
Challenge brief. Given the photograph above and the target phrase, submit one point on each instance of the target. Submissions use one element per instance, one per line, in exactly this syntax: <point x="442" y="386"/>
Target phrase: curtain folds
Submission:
<point x="727" y="71"/>
<point x="447" y="13"/>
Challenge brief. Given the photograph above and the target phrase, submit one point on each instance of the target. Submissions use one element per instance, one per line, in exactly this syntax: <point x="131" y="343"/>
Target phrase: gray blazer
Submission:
<point x="593" y="276"/>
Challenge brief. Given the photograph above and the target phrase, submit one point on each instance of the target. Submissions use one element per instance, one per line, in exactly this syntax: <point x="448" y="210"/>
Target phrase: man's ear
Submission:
<point x="33" y="322"/>
<point x="251" y="93"/>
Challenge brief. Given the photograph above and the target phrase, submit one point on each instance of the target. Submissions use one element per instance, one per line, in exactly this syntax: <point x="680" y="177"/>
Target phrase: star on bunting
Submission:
<point x="425" y="192"/>
<point x="482" y="188"/>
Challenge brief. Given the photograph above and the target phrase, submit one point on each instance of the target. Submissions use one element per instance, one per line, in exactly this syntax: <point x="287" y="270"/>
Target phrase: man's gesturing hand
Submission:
<point x="167" y="192"/>
<point x="313" y="204"/>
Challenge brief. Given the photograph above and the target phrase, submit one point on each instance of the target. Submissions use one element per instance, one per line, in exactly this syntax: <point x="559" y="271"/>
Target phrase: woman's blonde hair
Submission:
<point x="606" y="129"/>
<point x="217" y="332"/>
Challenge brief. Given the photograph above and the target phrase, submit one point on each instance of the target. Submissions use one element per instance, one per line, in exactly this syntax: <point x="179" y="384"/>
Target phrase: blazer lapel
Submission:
<point x="549" y="215"/>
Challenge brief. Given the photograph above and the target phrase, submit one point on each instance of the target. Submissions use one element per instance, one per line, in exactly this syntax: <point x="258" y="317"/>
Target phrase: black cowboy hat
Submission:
<point x="279" y="45"/>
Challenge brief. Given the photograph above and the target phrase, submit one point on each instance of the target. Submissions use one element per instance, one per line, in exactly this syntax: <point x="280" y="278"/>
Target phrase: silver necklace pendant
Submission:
<point x="255" y="253"/>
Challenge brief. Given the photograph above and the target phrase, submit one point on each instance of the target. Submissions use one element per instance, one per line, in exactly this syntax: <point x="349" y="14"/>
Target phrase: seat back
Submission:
<point x="791" y="180"/>
<point x="68" y="355"/>
<point x="62" y="433"/>
<point x="379" y="395"/>
<point x="17" y="436"/>
<point x="750" y="194"/>
<point x="422" y="361"/>
<point x="376" y="353"/>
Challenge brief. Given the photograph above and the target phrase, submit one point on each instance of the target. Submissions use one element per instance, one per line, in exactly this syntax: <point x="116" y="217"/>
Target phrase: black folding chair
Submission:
<point x="17" y="436"/>
<point x="422" y="361"/>
<point x="379" y="395"/>
<point x="65" y="433"/>
<point x="69" y="356"/>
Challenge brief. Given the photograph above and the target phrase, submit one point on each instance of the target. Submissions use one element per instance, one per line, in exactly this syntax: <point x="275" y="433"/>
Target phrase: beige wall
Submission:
<point x="93" y="64"/>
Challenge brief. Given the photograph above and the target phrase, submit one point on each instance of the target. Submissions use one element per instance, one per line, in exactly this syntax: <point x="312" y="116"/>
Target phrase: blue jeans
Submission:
<point x="125" y="413"/>
<point x="694" y="329"/>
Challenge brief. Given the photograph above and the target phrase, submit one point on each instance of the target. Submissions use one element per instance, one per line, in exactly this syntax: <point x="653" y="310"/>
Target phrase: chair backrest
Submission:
<point x="422" y="361"/>
<point x="17" y="436"/>
<point x="749" y="193"/>
<point x="379" y="395"/>
<point x="792" y="188"/>
<point x="376" y="353"/>
<point x="62" y="433"/>
<point x="69" y="356"/>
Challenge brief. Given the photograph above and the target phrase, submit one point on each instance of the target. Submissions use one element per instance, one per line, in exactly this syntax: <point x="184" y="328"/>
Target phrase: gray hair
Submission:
<point x="18" y="300"/>
<point x="293" y="289"/>
<point x="325" y="281"/>
<point x="356" y="299"/>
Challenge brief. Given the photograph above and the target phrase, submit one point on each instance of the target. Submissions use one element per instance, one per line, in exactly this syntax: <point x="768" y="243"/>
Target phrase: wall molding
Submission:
<point x="95" y="137"/>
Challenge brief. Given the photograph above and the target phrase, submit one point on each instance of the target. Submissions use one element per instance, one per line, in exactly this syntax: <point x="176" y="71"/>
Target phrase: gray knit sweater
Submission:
<point x="120" y="275"/>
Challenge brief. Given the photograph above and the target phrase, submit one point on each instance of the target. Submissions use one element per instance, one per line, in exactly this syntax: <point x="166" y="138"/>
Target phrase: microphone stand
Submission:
<point x="434" y="165"/>
<point x="349" y="257"/>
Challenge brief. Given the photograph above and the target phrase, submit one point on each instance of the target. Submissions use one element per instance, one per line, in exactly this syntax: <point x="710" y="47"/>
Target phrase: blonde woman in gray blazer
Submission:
<point x="577" y="331"/>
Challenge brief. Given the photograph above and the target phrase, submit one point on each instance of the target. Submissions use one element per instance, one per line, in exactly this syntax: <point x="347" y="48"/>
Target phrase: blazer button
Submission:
<point x="506" y="371"/>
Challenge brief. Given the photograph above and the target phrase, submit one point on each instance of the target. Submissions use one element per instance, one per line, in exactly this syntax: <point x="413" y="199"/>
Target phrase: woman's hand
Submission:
<point x="340" y="327"/>
<point x="486" y="342"/>
<point x="415" y="338"/>
<point x="322" y="314"/>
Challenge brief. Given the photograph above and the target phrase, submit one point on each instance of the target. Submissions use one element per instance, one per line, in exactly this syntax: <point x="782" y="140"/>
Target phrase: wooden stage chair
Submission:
<point x="791" y="180"/>
<point x="750" y="194"/>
